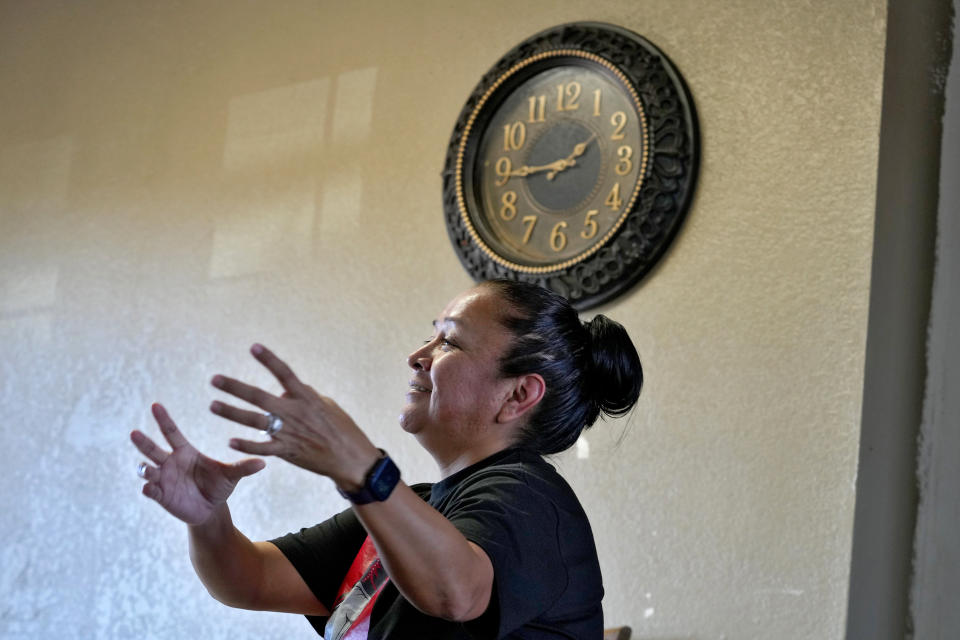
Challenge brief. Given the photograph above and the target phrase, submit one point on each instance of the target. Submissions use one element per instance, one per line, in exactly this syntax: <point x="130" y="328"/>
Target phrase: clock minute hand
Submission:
<point x="570" y="160"/>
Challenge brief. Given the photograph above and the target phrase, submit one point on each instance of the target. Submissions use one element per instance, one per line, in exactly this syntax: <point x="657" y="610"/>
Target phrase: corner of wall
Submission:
<point x="896" y="370"/>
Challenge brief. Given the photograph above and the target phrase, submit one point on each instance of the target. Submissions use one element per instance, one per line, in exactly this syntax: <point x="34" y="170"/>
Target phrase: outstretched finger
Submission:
<point x="255" y="419"/>
<point x="148" y="447"/>
<point x="168" y="428"/>
<point x="248" y="393"/>
<point x="280" y="369"/>
<point x="270" y="448"/>
<point x="244" y="468"/>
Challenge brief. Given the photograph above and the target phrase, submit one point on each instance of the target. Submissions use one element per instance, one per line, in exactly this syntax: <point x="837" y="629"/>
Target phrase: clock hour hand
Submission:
<point x="553" y="167"/>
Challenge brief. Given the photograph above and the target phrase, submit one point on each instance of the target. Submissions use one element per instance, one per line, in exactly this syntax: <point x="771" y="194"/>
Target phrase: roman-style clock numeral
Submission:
<point x="503" y="169"/>
<point x="613" y="198"/>
<point x="538" y="108"/>
<point x="514" y="136"/>
<point x="567" y="96"/>
<point x="558" y="239"/>
<point x="618" y="120"/>
<point x="531" y="222"/>
<point x="590" y="226"/>
<point x="624" y="164"/>
<point x="508" y="208"/>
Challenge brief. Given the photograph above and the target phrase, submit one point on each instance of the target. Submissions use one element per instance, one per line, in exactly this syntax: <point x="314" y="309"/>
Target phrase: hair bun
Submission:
<point x="613" y="366"/>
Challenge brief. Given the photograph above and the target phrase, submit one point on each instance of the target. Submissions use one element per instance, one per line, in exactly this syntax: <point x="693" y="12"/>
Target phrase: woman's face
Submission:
<point x="455" y="390"/>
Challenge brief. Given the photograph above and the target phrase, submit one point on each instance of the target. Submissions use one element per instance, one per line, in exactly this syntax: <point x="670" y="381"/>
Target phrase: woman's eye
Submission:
<point x="444" y="342"/>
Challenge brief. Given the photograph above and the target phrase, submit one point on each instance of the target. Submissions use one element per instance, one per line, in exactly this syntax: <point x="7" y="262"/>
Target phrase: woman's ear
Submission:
<point x="528" y="390"/>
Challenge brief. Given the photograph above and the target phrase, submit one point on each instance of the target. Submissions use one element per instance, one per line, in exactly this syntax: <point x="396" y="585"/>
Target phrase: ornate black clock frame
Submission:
<point x="662" y="162"/>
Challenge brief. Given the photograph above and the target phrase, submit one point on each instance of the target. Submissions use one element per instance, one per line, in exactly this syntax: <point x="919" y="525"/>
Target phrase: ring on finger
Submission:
<point x="142" y="469"/>
<point x="274" y="424"/>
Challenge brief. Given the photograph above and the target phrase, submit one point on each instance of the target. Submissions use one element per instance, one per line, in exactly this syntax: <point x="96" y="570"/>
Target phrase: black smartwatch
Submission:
<point x="379" y="483"/>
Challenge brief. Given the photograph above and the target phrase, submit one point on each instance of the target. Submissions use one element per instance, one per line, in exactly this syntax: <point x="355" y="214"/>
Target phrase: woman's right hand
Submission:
<point x="188" y="484"/>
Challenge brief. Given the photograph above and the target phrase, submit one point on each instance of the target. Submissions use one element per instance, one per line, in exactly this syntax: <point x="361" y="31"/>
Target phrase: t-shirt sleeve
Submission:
<point x="516" y="525"/>
<point x="322" y="554"/>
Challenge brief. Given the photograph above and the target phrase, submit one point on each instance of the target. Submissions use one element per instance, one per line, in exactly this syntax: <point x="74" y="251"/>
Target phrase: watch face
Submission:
<point x="559" y="163"/>
<point x="572" y="164"/>
<point x="384" y="478"/>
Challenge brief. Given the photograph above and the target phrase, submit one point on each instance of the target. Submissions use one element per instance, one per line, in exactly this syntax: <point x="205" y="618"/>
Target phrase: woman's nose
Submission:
<point x="420" y="359"/>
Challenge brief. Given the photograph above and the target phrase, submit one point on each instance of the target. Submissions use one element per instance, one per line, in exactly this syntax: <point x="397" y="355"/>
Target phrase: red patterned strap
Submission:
<point x="350" y="619"/>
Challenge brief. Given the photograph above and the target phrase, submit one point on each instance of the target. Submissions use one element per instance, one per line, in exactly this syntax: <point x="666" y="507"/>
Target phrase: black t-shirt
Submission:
<point x="523" y="514"/>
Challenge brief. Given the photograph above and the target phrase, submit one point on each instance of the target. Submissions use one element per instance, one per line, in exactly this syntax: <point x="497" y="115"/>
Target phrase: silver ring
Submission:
<point x="276" y="423"/>
<point x="142" y="469"/>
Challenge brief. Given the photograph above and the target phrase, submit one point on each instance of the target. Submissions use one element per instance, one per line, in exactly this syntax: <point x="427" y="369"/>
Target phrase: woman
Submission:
<point x="500" y="547"/>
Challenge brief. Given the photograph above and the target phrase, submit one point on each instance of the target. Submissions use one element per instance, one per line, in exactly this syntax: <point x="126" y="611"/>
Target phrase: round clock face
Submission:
<point x="572" y="164"/>
<point x="558" y="165"/>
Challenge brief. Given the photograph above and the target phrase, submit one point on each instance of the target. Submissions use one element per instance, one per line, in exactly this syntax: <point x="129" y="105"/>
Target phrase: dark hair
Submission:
<point x="588" y="367"/>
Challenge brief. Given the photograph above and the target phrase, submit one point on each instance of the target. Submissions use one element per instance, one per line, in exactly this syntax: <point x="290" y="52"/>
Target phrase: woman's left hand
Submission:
<point x="317" y="434"/>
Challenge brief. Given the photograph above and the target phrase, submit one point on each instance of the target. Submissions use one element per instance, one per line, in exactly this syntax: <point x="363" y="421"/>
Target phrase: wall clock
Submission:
<point x="572" y="163"/>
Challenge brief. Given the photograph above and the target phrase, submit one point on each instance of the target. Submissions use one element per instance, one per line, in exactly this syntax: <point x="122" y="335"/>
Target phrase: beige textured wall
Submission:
<point x="180" y="179"/>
